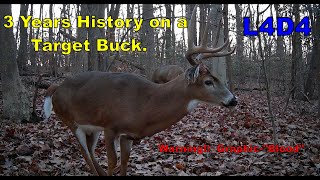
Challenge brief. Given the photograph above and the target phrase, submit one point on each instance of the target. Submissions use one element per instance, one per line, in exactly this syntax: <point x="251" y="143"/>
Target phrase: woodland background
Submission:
<point x="276" y="78"/>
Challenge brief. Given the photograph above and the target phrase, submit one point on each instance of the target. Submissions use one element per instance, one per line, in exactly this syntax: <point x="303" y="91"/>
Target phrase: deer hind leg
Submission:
<point x="82" y="138"/>
<point x="111" y="151"/>
<point x="92" y="141"/>
<point x="125" y="148"/>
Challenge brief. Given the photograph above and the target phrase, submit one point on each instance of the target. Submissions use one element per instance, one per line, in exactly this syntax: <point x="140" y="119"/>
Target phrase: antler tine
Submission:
<point x="200" y="49"/>
<point x="206" y="52"/>
<point x="214" y="52"/>
<point x="218" y="54"/>
<point x="191" y="32"/>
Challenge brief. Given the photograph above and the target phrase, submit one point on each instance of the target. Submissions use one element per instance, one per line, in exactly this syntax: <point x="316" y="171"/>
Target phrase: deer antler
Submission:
<point x="205" y="51"/>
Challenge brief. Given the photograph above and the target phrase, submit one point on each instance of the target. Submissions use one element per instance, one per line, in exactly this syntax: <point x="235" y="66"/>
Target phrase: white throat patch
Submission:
<point x="192" y="104"/>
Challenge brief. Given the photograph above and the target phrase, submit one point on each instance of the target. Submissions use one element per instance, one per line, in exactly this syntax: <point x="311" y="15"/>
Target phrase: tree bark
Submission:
<point x="147" y="38"/>
<point x="93" y="35"/>
<point x="280" y="52"/>
<point x="102" y="63"/>
<point x="16" y="103"/>
<point x="168" y="43"/>
<point x="218" y="64"/>
<point x="113" y="13"/>
<point x="81" y="60"/>
<point x="228" y="58"/>
<point x="23" y="47"/>
<point x="202" y="19"/>
<point x="296" y="69"/>
<point x="314" y="63"/>
<point x="52" y="60"/>
<point x="239" y="39"/>
<point x="32" y="53"/>
<point x="189" y="9"/>
<point x="280" y="42"/>
<point x="173" y="36"/>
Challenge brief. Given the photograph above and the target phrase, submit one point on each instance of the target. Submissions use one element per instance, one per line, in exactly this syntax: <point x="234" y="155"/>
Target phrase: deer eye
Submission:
<point x="208" y="82"/>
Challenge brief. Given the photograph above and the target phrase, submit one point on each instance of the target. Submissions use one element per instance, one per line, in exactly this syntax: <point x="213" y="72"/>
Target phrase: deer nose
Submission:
<point x="233" y="102"/>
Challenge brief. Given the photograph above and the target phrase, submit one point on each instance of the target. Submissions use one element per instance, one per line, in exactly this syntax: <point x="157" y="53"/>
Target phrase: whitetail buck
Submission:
<point x="131" y="107"/>
<point x="166" y="73"/>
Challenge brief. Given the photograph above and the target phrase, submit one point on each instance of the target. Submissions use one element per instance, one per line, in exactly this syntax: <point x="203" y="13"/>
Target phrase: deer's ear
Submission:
<point x="192" y="74"/>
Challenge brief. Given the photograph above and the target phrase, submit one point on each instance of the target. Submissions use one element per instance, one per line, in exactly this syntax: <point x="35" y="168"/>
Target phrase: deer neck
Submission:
<point x="171" y="103"/>
<point x="175" y="91"/>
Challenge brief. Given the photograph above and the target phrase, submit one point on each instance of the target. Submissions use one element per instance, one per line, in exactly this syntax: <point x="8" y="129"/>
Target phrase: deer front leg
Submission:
<point x="125" y="148"/>
<point x="111" y="151"/>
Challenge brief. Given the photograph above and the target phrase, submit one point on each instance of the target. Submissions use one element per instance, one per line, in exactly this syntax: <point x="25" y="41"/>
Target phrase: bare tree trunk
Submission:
<point x="16" y="103"/>
<point x="32" y="53"/>
<point x="189" y="9"/>
<point x="130" y="8"/>
<point x="280" y="52"/>
<point x="37" y="55"/>
<point x="52" y="60"/>
<point x="63" y="14"/>
<point x="102" y="55"/>
<point x="239" y="39"/>
<point x="319" y="94"/>
<point x="252" y="38"/>
<point x="163" y="50"/>
<point x="280" y="42"/>
<point x="72" y="57"/>
<point x="114" y="13"/>
<point x="296" y="77"/>
<point x="319" y="86"/>
<point x="317" y="16"/>
<point x="319" y="89"/>
<point x="183" y="32"/>
<point x="202" y="17"/>
<point x="273" y="120"/>
<point x="314" y="63"/>
<point x="23" y="49"/>
<point x="267" y="54"/>
<point x="147" y="38"/>
<point x="228" y="58"/>
<point x="173" y="41"/>
<point x="168" y="43"/>
<point x="81" y="60"/>
<point x="93" y="35"/>
<point x="45" y="56"/>
<point x="218" y="65"/>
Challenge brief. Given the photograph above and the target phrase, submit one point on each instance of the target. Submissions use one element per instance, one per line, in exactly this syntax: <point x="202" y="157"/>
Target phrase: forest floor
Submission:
<point x="50" y="148"/>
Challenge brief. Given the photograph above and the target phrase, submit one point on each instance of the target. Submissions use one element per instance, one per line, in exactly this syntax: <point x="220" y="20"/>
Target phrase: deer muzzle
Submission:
<point x="232" y="102"/>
